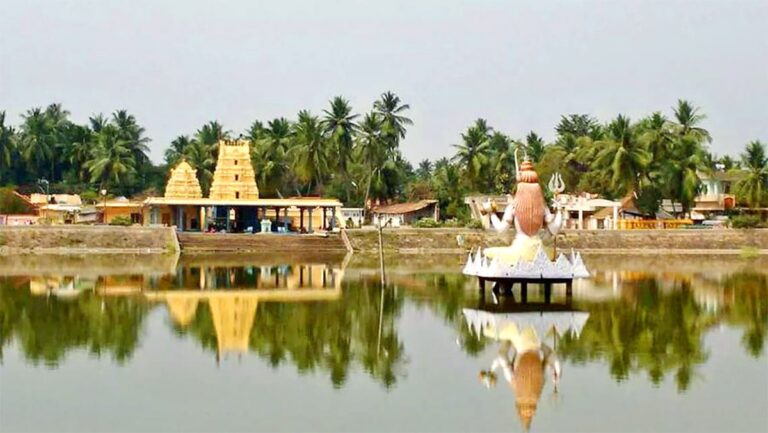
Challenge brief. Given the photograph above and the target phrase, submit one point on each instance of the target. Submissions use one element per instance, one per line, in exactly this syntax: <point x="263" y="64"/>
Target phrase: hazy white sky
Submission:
<point x="177" y="64"/>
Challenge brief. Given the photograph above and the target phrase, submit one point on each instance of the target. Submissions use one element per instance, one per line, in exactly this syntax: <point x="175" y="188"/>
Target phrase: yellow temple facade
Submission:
<point x="233" y="204"/>
<point x="234" y="177"/>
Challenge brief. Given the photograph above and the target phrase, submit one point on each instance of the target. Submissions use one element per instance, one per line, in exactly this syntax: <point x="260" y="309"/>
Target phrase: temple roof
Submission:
<point x="183" y="183"/>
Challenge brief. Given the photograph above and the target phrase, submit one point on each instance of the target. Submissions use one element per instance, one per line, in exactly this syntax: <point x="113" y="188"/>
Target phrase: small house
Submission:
<point x="399" y="214"/>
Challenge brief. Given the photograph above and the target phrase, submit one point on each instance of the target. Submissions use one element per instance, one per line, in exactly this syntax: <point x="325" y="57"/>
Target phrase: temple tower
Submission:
<point x="183" y="182"/>
<point x="234" y="177"/>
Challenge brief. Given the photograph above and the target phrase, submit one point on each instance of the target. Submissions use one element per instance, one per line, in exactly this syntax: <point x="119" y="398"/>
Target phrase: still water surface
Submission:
<point x="248" y="343"/>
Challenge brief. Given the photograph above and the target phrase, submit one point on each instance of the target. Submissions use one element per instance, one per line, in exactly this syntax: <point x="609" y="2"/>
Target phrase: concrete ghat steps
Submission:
<point x="259" y="242"/>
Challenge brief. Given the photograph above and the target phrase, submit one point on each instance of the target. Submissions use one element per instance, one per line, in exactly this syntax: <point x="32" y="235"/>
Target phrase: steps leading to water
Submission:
<point x="261" y="243"/>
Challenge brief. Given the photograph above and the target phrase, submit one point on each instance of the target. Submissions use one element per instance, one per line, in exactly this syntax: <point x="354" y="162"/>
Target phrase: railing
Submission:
<point x="653" y="224"/>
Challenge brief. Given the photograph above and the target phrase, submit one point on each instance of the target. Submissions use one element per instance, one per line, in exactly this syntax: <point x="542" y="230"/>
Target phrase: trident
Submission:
<point x="556" y="186"/>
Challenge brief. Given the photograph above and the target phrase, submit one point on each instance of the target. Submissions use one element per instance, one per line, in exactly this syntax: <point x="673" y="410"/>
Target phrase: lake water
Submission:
<point x="249" y="343"/>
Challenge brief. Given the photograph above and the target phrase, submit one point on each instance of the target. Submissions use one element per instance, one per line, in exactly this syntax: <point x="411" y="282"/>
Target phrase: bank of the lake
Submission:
<point x="74" y="240"/>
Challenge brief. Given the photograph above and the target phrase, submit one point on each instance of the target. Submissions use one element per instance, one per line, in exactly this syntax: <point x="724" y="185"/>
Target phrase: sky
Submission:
<point x="176" y="64"/>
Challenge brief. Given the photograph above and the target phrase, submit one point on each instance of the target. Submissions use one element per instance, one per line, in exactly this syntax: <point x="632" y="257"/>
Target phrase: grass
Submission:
<point x="749" y="252"/>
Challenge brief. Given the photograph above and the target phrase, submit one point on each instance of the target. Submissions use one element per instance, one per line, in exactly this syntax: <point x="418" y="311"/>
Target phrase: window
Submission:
<point x="237" y="194"/>
<point x="237" y="177"/>
<point x="235" y="162"/>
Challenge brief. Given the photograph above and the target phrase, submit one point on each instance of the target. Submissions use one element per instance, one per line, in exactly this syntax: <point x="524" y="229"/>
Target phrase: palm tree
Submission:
<point x="177" y="150"/>
<point x="111" y="160"/>
<point x="97" y="122"/>
<point x="36" y="140"/>
<point x="373" y="152"/>
<point x="679" y="171"/>
<point x="623" y="156"/>
<point x="534" y="145"/>
<point x="502" y="165"/>
<point x="472" y="154"/>
<point x="78" y="152"/>
<point x="210" y="135"/>
<point x="133" y="134"/>
<point x="393" y="122"/>
<point x="200" y="157"/>
<point x="7" y="145"/>
<point x="310" y="150"/>
<point x="339" y="125"/>
<point x="269" y="154"/>
<point x="688" y="118"/>
<point x="657" y="137"/>
<point x="425" y="169"/>
<point x="754" y="186"/>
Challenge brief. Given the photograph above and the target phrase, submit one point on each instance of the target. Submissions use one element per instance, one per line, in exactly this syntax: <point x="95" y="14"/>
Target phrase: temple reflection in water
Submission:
<point x="232" y="292"/>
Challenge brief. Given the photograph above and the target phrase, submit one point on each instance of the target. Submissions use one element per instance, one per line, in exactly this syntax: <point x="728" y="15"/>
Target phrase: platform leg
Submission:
<point x="547" y="293"/>
<point x="523" y="291"/>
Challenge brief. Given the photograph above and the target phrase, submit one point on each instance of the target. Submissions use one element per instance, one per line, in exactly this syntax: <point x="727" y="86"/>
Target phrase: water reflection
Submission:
<point x="521" y="330"/>
<point x="329" y="316"/>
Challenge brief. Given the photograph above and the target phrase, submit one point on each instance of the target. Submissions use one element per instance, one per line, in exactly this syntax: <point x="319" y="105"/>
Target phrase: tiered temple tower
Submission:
<point x="234" y="177"/>
<point x="183" y="182"/>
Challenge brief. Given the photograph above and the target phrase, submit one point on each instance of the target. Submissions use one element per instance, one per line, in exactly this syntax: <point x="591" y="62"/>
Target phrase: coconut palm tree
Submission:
<point x="534" y="146"/>
<point x="657" y="136"/>
<point x="81" y="143"/>
<point x="200" y="157"/>
<point x="210" y="134"/>
<point x="502" y="162"/>
<point x="339" y="125"/>
<point x="177" y="150"/>
<point x="7" y="146"/>
<point x="472" y="154"/>
<point x="36" y="140"/>
<point x="133" y="134"/>
<point x="111" y="160"/>
<point x="393" y="121"/>
<point x="310" y="152"/>
<point x="373" y="153"/>
<point x="425" y="169"/>
<point x="754" y="186"/>
<point x="679" y="171"/>
<point x="270" y="154"/>
<point x="687" y="119"/>
<point x="622" y="155"/>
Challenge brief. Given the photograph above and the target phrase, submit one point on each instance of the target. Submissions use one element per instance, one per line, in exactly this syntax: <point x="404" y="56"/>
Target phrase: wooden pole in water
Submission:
<point x="381" y="258"/>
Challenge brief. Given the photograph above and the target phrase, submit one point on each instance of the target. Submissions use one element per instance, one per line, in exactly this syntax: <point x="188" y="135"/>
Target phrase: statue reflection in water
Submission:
<point x="527" y="335"/>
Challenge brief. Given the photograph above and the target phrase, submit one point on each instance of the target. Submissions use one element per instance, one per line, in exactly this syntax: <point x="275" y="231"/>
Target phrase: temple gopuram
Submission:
<point x="233" y="205"/>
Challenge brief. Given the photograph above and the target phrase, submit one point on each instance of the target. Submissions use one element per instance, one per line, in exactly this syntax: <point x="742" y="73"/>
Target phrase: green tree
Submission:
<point x="111" y="160"/>
<point x="472" y="154"/>
<point x="177" y="150"/>
<point x="7" y="147"/>
<point x="339" y="125"/>
<point x="394" y="123"/>
<point x="270" y="154"/>
<point x="534" y="145"/>
<point x="200" y="157"/>
<point x="755" y="184"/>
<point x="37" y="142"/>
<point x="310" y="151"/>
<point x="374" y="154"/>
<point x="623" y="156"/>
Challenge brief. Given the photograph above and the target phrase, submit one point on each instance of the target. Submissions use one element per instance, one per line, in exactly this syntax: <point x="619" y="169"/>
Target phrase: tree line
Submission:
<point x="357" y="157"/>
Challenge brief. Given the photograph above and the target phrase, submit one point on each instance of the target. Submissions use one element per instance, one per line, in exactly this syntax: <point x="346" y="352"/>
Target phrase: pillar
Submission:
<point x="301" y="219"/>
<point x="333" y="220"/>
<point x="309" y="229"/>
<point x="324" y="218"/>
<point x="227" y="219"/>
<point x="202" y="223"/>
<point x="277" y="218"/>
<point x="181" y="218"/>
<point x="615" y="217"/>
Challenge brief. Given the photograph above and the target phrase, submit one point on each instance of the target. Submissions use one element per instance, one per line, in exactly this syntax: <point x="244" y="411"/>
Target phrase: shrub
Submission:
<point x="426" y="223"/>
<point x="745" y="221"/>
<point x="453" y="223"/>
<point x="475" y="224"/>
<point x="120" y="221"/>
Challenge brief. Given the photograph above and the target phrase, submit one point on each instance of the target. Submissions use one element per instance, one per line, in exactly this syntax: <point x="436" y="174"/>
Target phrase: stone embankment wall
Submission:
<point x="453" y="241"/>
<point x="86" y="240"/>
